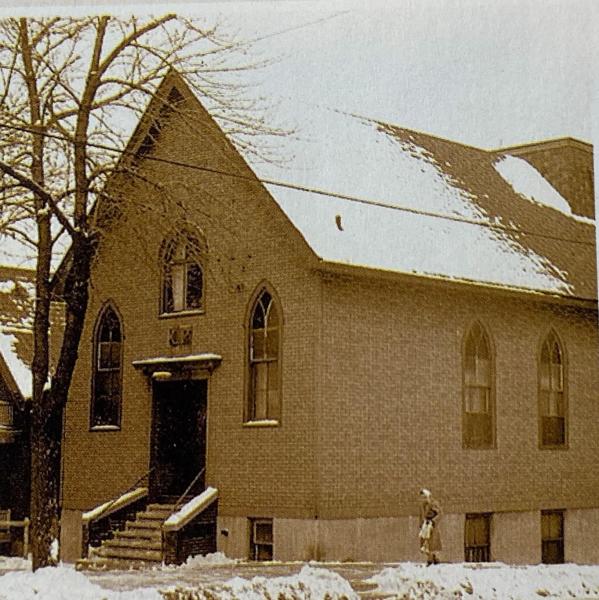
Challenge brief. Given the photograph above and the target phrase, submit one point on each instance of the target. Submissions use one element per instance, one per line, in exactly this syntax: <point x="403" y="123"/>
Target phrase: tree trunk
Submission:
<point x="46" y="429"/>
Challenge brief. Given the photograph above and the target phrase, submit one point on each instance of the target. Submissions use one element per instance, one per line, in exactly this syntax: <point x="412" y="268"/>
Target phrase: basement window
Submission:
<point x="477" y="538"/>
<point x="261" y="539"/>
<point x="552" y="536"/>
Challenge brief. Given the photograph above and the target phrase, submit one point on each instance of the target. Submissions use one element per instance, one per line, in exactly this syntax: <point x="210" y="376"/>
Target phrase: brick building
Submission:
<point x="409" y="312"/>
<point x="16" y="286"/>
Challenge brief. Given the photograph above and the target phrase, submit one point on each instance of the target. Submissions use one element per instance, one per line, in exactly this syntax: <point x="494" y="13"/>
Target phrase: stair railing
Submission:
<point x="179" y="502"/>
<point x="106" y="509"/>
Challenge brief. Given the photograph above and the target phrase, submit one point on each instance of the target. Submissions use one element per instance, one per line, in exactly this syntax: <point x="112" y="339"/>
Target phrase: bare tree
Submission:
<point x="69" y="91"/>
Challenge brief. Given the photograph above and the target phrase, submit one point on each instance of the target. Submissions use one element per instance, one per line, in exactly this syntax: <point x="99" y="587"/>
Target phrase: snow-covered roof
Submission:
<point x="369" y="194"/>
<point x="16" y="334"/>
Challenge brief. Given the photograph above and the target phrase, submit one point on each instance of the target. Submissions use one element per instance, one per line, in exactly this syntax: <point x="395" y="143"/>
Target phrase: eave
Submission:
<point x="328" y="269"/>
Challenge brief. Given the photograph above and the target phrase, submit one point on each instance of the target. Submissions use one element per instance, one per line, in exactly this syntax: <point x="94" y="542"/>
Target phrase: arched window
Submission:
<point x="182" y="275"/>
<point x="478" y="409"/>
<point x="106" y="393"/>
<point x="552" y="401"/>
<point x="264" y="397"/>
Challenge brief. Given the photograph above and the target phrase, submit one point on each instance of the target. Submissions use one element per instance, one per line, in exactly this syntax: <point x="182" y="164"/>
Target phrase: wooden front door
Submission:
<point x="178" y="438"/>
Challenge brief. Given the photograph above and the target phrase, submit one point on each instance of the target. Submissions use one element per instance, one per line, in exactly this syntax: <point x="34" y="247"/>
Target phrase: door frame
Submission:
<point x="155" y="494"/>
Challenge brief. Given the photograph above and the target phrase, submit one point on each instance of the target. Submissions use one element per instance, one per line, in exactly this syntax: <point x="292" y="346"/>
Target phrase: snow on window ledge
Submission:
<point x="105" y="428"/>
<point x="262" y="423"/>
<point x="182" y="313"/>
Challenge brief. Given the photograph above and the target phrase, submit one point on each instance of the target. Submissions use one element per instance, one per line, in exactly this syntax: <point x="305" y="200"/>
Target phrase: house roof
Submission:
<point x="371" y="194"/>
<point x="17" y="292"/>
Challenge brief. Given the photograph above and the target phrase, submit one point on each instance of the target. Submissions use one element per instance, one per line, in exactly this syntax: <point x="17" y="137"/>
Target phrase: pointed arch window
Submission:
<point x="264" y="394"/>
<point x="106" y="393"/>
<point x="478" y="429"/>
<point x="552" y="399"/>
<point x="182" y="275"/>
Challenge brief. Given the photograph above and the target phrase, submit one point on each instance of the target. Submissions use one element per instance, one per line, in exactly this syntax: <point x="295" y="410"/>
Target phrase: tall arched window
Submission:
<point x="182" y="275"/>
<point x="264" y="394"/>
<point x="552" y="401"/>
<point x="106" y="393"/>
<point x="478" y="410"/>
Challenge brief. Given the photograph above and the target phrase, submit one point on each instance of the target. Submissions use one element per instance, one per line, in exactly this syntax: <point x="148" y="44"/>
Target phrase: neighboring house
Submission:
<point x="16" y="287"/>
<point x="318" y="358"/>
<point x="17" y="296"/>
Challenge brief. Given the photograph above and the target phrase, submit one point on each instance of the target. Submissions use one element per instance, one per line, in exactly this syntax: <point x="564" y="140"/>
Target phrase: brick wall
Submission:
<point x="263" y="471"/>
<point x="372" y="368"/>
<point x="390" y="411"/>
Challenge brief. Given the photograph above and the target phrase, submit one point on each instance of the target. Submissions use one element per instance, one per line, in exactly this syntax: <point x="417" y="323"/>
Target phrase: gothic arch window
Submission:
<point x="552" y="397"/>
<point x="182" y="275"/>
<point x="107" y="367"/>
<point x="264" y="390"/>
<point x="478" y="429"/>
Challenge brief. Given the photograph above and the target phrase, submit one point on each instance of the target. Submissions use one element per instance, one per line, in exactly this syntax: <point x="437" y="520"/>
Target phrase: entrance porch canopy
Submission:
<point x="176" y="366"/>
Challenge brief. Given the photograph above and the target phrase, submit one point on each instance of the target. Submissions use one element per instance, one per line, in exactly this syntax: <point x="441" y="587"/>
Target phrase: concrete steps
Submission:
<point x="139" y="545"/>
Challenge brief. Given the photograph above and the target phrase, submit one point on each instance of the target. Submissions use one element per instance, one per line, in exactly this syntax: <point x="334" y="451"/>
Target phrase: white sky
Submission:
<point x="485" y="72"/>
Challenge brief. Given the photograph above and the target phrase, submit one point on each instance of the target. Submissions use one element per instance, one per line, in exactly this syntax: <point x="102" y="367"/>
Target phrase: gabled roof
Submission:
<point x="17" y="292"/>
<point x="404" y="201"/>
<point x="369" y="194"/>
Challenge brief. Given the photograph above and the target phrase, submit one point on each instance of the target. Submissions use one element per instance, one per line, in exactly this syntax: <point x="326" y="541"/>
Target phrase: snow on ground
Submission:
<point x="217" y="577"/>
<point x="63" y="583"/>
<point x="215" y="559"/>
<point x="492" y="581"/>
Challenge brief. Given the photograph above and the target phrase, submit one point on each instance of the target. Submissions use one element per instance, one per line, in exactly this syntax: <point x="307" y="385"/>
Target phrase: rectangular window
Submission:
<point x="261" y="539"/>
<point x="552" y="536"/>
<point x="6" y="414"/>
<point x="477" y="538"/>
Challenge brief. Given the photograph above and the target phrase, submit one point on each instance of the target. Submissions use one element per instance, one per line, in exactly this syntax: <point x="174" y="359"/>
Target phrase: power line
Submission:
<point x="302" y="188"/>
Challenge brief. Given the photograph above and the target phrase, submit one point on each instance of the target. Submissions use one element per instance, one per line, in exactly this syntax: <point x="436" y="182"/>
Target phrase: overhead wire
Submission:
<point x="308" y="189"/>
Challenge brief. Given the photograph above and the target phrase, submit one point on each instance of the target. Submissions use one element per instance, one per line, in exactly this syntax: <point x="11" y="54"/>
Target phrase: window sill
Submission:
<point x="182" y="313"/>
<point x="553" y="447"/>
<point x="263" y="423"/>
<point x="105" y="428"/>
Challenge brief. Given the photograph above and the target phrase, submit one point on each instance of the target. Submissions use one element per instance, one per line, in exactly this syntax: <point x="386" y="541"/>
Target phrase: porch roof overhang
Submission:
<point x="189" y="364"/>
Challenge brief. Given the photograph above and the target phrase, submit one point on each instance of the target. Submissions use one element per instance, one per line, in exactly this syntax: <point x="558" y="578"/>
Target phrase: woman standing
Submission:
<point x="430" y="539"/>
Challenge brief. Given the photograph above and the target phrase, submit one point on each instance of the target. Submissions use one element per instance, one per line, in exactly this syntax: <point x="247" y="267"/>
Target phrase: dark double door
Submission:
<point x="178" y="438"/>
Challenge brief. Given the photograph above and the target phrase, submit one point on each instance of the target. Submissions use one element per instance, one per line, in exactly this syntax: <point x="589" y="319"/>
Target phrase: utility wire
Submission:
<point x="302" y="188"/>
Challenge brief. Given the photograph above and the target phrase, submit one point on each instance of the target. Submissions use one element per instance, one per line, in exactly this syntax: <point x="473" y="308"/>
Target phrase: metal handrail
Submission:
<point x="182" y="496"/>
<point x="129" y="489"/>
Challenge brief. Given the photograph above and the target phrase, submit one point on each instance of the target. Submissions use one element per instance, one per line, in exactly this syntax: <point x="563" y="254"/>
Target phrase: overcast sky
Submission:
<point x="489" y="73"/>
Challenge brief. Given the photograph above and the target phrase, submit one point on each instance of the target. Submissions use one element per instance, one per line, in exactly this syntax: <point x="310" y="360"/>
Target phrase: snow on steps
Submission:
<point x="139" y="545"/>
